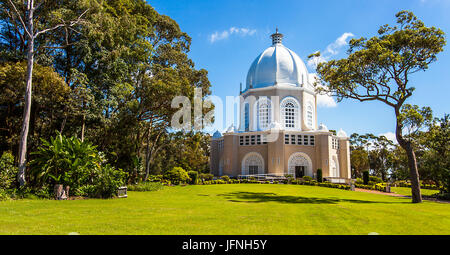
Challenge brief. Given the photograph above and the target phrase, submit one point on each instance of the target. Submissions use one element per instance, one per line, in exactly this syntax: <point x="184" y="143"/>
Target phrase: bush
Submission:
<point x="73" y="163"/>
<point x="444" y="196"/>
<point x="375" y="179"/>
<point x="8" y="171"/>
<point x="226" y="178"/>
<point x="155" y="178"/>
<point x="104" y="184"/>
<point x="307" y="178"/>
<point x="193" y="175"/>
<point x="319" y="175"/>
<point x="206" y="177"/>
<point x="359" y="181"/>
<point x="63" y="160"/>
<point x="3" y="195"/>
<point x="366" y="177"/>
<point x="177" y="175"/>
<point x="108" y="181"/>
<point x="146" y="186"/>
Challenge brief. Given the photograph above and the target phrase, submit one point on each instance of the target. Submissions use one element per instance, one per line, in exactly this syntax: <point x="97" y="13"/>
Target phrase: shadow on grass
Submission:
<point x="261" y="197"/>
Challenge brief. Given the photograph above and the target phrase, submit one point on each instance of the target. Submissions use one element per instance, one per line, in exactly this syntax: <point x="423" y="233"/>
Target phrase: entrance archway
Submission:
<point x="299" y="165"/>
<point x="253" y="163"/>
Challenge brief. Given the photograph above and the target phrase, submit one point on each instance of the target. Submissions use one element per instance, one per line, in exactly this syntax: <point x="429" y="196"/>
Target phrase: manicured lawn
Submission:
<point x="407" y="191"/>
<point x="229" y="209"/>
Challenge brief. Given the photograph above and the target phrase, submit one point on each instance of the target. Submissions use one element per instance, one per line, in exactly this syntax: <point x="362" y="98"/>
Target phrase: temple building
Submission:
<point x="278" y="132"/>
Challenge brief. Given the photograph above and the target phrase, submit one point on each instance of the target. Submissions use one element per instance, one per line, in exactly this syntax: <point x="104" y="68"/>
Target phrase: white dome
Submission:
<point x="323" y="128"/>
<point x="341" y="133"/>
<point x="277" y="65"/>
<point x="231" y="129"/>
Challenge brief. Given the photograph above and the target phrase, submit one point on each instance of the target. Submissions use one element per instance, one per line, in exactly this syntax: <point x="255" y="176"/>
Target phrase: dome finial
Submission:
<point x="277" y="37"/>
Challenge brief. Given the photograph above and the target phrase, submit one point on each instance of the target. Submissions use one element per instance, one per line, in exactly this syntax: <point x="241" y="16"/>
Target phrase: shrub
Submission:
<point x="104" y="183"/>
<point x="108" y="181"/>
<point x="71" y="162"/>
<point x="226" y="178"/>
<point x="375" y="179"/>
<point x="359" y="181"/>
<point x="366" y="177"/>
<point x="319" y="175"/>
<point x="177" y="175"/>
<point x="63" y="160"/>
<point x="307" y="178"/>
<point x="8" y="171"/>
<point x="3" y="195"/>
<point x="206" y="177"/>
<point x="155" y="178"/>
<point x="146" y="186"/>
<point x="193" y="175"/>
<point x="219" y="181"/>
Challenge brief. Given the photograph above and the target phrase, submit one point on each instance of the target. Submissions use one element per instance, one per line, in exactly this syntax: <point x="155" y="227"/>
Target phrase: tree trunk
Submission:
<point x="412" y="163"/>
<point x="82" y="127"/>
<point x="27" y="106"/>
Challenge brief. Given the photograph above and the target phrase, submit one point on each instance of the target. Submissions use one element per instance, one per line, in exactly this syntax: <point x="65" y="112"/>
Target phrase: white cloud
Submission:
<point x="217" y="36"/>
<point x="331" y="50"/>
<point x="390" y="136"/>
<point x="323" y="100"/>
<point x="326" y="101"/>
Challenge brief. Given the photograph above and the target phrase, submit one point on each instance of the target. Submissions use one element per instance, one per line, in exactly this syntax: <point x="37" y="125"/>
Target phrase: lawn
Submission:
<point x="407" y="191"/>
<point x="229" y="209"/>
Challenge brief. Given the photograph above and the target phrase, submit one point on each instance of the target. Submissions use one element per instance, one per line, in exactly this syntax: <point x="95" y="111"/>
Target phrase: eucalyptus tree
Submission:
<point x="31" y="20"/>
<point x="380" y="69"/>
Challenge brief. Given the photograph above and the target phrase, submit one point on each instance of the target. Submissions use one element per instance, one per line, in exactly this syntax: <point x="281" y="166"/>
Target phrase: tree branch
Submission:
<point x="21" y="20"/>
<point x="71" y="23"/>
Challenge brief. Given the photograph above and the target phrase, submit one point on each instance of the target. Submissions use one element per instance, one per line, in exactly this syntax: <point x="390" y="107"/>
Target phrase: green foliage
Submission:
<point x="375" y="179"/>
<point x="177" y="175"/>
<point x="50" y="94"/>
<point x="109" y="79"/>
<point x="76" y="164"/>
<point x="307" y="178"/>
<point x="107" y="181"/>
<point x="193" y="175"/>
<point x="146" y="186"/>
<point x="64" y="160"/>
<point x="366" y="177"/>
<point x="380" y="68"/>
<point x="8" y="171"/>
<point x="206" y="177"/>
<point x="319" y="175"/>
<point x="226" y="178"/>
<point x="3" y="195"/>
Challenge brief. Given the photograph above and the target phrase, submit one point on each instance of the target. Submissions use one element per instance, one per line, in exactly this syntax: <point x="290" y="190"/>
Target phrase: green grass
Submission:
<point x="229" y="209"/>
<point x="407" y="191"/>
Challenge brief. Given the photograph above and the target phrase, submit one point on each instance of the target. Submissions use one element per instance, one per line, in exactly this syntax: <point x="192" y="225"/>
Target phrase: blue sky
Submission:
<point x="228" y="35"/>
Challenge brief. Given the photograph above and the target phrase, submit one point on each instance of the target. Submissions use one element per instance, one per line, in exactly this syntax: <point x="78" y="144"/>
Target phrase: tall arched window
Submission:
<point x="264" y="113"/>
<point x="310" y="116"/>
<point x="289" y="113"/>
<point x="246" y="117"/>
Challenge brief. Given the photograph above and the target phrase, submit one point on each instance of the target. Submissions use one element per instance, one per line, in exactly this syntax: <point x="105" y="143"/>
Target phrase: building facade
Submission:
<point x="278" y="132"/>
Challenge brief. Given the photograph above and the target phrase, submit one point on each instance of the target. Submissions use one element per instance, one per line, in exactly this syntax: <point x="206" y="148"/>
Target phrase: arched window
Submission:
<point x="246" y="117"/>
<point x="289" y="113"/>
<point x="334" y="168"/>
<point x="264" y="113"/>
<point x="310" y="116"/>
